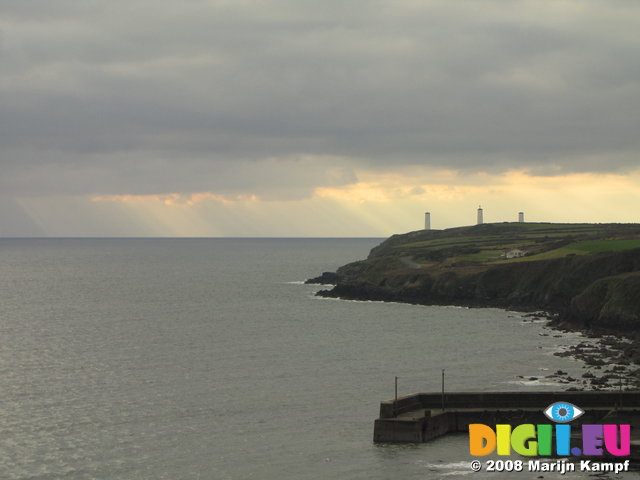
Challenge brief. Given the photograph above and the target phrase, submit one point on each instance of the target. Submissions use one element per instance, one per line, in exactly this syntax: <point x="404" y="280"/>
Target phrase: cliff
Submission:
<point x="587" y="274"/>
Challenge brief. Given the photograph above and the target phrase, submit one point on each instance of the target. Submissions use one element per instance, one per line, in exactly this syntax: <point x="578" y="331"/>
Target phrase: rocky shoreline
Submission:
<point x="611" y="359"/>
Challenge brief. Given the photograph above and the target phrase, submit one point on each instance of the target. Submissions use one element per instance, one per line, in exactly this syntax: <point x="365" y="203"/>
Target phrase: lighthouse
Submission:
<point x="520" y="217"/>
<point x="480" y="216"/>
<point x="427" y="220"/>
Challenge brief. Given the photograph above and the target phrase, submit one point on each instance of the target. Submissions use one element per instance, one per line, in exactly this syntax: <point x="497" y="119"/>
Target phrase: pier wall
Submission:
<point x="420" y="417"/>
<point x="505" y="400"/>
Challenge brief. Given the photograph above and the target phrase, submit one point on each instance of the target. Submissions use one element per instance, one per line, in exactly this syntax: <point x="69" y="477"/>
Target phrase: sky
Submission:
<point x="315" y="118"/>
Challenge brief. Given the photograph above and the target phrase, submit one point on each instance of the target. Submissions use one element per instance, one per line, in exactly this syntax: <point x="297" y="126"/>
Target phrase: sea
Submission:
<point x="211" y="359"/>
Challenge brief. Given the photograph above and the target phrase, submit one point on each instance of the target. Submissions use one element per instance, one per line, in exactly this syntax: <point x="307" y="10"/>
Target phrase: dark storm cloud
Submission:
<point x="155" y="97"/>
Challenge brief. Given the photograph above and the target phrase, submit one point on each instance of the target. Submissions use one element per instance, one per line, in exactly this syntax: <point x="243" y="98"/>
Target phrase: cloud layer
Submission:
<point x="158" y="85"/>
<point x="279" y="98"/>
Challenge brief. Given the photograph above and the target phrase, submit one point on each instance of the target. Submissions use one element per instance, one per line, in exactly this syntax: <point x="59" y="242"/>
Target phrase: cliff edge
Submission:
<point x="587" y="274"/>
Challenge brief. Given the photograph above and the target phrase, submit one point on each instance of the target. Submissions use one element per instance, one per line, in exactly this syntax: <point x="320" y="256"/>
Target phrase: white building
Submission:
<point x="515" y="253"/>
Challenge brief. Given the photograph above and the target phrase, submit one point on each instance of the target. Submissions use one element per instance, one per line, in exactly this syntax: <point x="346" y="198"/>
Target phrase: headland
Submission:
<point x="584" y="276"/>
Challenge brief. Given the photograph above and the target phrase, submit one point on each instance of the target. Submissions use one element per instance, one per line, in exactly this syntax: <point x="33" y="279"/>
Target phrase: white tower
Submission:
<point x="521" y="217"/>
<point x="427" y="220"/>
<point x="480" y="218"/>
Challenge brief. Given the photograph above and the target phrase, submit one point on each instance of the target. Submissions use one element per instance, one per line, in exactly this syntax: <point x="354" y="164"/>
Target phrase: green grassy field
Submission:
<point x="488" y="243"/>
<point x="585" y="248"/>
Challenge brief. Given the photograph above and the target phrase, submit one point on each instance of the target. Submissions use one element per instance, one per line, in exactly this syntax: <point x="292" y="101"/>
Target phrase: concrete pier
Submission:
<point x="419" y="417"/>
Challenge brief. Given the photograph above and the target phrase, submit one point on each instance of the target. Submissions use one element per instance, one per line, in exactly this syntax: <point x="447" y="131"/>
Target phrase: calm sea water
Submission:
<point x="208" y="359"/>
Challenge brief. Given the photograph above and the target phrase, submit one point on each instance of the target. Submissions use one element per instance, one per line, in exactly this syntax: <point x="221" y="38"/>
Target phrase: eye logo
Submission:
<point x="563" y="412"/>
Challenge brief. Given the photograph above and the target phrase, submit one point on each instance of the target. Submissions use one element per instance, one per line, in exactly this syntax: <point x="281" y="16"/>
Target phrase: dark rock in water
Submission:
<point x="327" y="278"/>
<point x="565" y="353"/>
<point x="599" y="381"/>
<point x="595" y="361"/>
